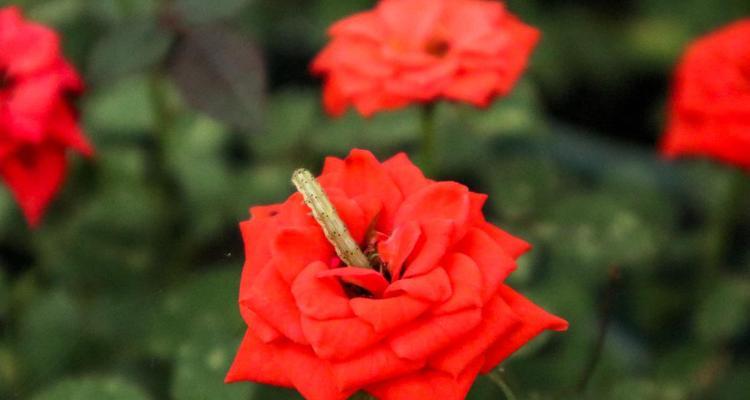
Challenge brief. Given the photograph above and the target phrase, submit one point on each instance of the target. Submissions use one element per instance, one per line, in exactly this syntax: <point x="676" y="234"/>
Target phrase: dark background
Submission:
<point x="200" y="109"/>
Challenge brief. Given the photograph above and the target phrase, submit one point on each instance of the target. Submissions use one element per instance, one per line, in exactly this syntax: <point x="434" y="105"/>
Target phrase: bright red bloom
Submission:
<point x="37" y="121"/>
<point x="424" y="329"/>
<point x="710" y="106"/>
<point x="407" y="51"/>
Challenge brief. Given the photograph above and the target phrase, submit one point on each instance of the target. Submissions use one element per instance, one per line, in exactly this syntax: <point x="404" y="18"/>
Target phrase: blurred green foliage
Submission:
<point x="200" y="109"/>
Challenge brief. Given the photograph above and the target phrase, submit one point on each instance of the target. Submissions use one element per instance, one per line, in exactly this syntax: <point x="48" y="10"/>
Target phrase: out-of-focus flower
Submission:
<point x="709" y="113"/>
<point x="431" y="313"/>
<point x="418" y="51"/>
<point x="37" y="120"/>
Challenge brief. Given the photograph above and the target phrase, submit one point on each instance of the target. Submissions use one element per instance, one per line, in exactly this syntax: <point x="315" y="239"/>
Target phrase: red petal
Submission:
<point x="533" y="320"/>
<point x="285" y="364"/>
<point x="405" y="174"/>
<point x="295" y="248"/>
<point x="270" y="298"/>
<point x="389" y="313"/>
<point x="34" y="176"/>
<point x="256" y="236"/>
<point x="466" y="282"/>
<point x="424" y="337"/>
<point x="372" y="366"/>
<point x="364" y="176"/>
<point x="395" y="250"/>
<point x="339" y="338"/>
<point x="428" y="385"/>
<point x="434" y="242"/>
<point x="497" y="320"/>
<point x="512" y="245"/>
<point x="438" y="201"/>
<point x="433" y="286"/>
<point x="258" y="326"/>
<point x="258" y="362"/>
<point x="320" y="298"/>
<point x="363" y="277"/>
<point x="493" y="262"/>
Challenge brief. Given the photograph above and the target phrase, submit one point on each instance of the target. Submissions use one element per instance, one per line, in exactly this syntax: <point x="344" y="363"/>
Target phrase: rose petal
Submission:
<point x="497" y="320"/>
<point x="258" y="362"/>
<point x="396" y="249"/>
<point x="420" y="339"/>
<point x="466" y="284"/>
<point x="533" y="320"/>
<point x="512" y="245"/>
<point x="295" y="248"/>
<point x="386" y="314"/>
<point x="365" y="278"/>
<point x="434" y="286"/>
<point x="270" y="297"/>
<point x="434" y="241"/>
<point x="258" y="326"/>
<point x="405" y="174"/>
<point x="492" y="260"/>
<point x="437" y="201"/>
<point x="339" y="338"/>
<point x="320" y="298"/>
<point x="34" y="175"/>
<point x="428" y="385"/>
<point x="372" y="366"/>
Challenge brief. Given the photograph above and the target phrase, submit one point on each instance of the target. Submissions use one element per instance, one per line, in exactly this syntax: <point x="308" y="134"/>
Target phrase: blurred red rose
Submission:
<point x="407" y="51"/>
<point x="709" y="113"/>
<point x="37" y="122"/>
<point x="437" y="316"/>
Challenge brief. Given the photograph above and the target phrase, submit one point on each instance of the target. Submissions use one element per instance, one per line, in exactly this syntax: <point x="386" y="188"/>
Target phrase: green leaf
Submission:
<point x="201" y="365"/>
<point x="48" y="333"/>
<point x="99" y="388"/>
<point x="207" y="305"/>
<point x="127" y="49"/>
<point x="725" y="312"/>
<point x="123" y="110"/>
<point x="200" y="11"/>
<point x="222" y="74"/>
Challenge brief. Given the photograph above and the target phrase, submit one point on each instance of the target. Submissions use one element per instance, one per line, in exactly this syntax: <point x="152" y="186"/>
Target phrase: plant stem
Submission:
<point x="605" y="316"/>
<point x="428" y="138"/>
<point x="499" y="380"/>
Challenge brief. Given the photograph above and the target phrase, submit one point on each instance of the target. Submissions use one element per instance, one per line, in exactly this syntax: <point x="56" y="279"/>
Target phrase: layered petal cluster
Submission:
<point x="37" y="120"/>
<point x="709" y="112"/>
<point x="435" y="314"/>
<point x="418" y="51"/>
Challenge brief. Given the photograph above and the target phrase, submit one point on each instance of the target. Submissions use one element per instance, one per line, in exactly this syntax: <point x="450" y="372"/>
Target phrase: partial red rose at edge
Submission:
<point x="709" y="110"/>
<point x="418" y="51"/>
<point x="37" y="120"/>
<point x="439" y="316"/>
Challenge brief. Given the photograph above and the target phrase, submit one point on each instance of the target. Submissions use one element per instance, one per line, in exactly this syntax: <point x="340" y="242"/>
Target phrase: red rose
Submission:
<point x="37" y="121"/>
<point x="709" y="111"/>
<point x="407" y="51"/>
<point x="437" y="315"/>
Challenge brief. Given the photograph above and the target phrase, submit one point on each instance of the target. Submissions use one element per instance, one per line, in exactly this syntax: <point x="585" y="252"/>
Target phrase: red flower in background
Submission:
<point x="407" y="51"/>
<point x="37" y="121"/>
<point x="437" y="315"/>
<point x="709" y="113"/>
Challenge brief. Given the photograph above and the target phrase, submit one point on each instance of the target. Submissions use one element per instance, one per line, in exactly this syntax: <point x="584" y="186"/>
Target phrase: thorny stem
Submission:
<point x="605" y="315"/>
<point x="326" y="215"/>
<point x="499" y="380"/>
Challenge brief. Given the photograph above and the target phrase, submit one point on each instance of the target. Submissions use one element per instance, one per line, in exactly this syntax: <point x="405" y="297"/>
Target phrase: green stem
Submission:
<point x="428" y="138"/>
<point x="499" y="380"/>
